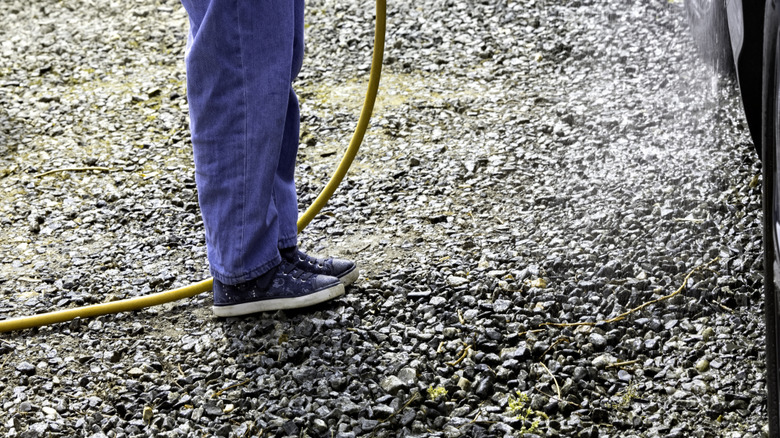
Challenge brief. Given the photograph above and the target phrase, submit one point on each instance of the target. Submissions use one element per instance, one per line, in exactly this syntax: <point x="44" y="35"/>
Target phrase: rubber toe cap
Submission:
<point x="320" y="282"/>
<point x="341" y="266"/>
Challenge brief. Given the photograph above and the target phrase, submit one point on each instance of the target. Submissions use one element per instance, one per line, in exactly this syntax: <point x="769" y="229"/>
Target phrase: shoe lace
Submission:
<point x="295" y="273"/>
<point x="310" y="260"/>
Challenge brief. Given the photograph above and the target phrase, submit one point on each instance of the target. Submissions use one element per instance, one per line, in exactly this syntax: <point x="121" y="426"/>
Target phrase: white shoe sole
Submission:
<point x="350" y="277"/>
<point x="280" y="303"/>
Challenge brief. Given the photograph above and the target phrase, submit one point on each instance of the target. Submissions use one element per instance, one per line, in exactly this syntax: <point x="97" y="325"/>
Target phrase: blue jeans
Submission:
<point x="241" y="60"/>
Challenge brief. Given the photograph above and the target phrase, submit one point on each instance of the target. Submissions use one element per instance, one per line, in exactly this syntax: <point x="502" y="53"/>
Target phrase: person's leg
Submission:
<point x="240" y="66"/>
<point x="239" y="72"/>
<point x="285" y="196"/>
<point x="287" y="205"/>
<point x="284" y="187"/>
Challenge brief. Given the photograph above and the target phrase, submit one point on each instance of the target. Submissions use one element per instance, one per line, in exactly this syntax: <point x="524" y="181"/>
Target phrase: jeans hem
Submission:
<point x="251" y="275"/>
<point x="288" y="242"/>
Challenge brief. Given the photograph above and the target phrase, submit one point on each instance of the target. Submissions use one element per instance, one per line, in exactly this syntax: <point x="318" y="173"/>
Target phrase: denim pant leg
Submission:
<point x="241" y="60"/>
<point x="285" y="195"/>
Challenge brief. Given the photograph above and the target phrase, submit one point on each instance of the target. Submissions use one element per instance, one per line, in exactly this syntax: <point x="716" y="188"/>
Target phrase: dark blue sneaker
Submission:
<point x="345" y="270"/>
<point x="284" y="287"/>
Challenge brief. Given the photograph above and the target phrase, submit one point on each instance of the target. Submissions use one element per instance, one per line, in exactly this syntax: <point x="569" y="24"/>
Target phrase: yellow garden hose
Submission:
<point x="138" y="303"/>
<point x="362" y="125"/>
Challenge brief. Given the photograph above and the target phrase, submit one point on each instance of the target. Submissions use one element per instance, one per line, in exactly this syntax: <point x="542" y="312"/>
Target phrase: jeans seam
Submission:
<point x="245" y="139"/>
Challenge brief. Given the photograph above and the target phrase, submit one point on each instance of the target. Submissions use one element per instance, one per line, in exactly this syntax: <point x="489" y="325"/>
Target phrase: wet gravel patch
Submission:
<point x="531" y="165"/>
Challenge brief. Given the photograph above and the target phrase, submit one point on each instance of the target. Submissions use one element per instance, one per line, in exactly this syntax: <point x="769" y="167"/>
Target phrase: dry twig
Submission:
<point x="640" y="307"/>
<point x="218" y="393"/>
<point x="462" y="356"/>
<point x="414" y="397"/>
<point x="557" y="341"/>
<point x="530" y="331"/>
<point x="75" y="169"/>
<point x="557" y="388"/>
<point x="622" y="364"/>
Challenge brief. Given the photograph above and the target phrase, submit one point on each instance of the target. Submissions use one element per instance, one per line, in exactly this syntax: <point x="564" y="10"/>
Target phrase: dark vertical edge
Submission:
<point x="769" y="121"/>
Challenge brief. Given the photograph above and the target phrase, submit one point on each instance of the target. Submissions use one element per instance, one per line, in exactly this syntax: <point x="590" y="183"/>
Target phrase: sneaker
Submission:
<point x="345" y="270"/>
<point x="284" y="287"/>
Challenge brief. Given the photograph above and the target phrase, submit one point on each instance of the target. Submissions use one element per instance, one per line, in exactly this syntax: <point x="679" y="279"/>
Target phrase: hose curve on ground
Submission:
<point x="138" y="303"/>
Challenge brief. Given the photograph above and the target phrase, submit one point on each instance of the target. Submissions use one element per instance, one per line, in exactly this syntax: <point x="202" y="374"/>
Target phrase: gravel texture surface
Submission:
<point x="530" y="163"/>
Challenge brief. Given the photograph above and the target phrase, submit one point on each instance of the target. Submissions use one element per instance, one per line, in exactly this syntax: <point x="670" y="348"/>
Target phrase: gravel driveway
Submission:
<point x="534" y="170"/>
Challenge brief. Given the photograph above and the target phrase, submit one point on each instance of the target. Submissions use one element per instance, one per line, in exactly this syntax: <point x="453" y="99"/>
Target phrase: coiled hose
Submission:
<point x="138" y="303"/>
